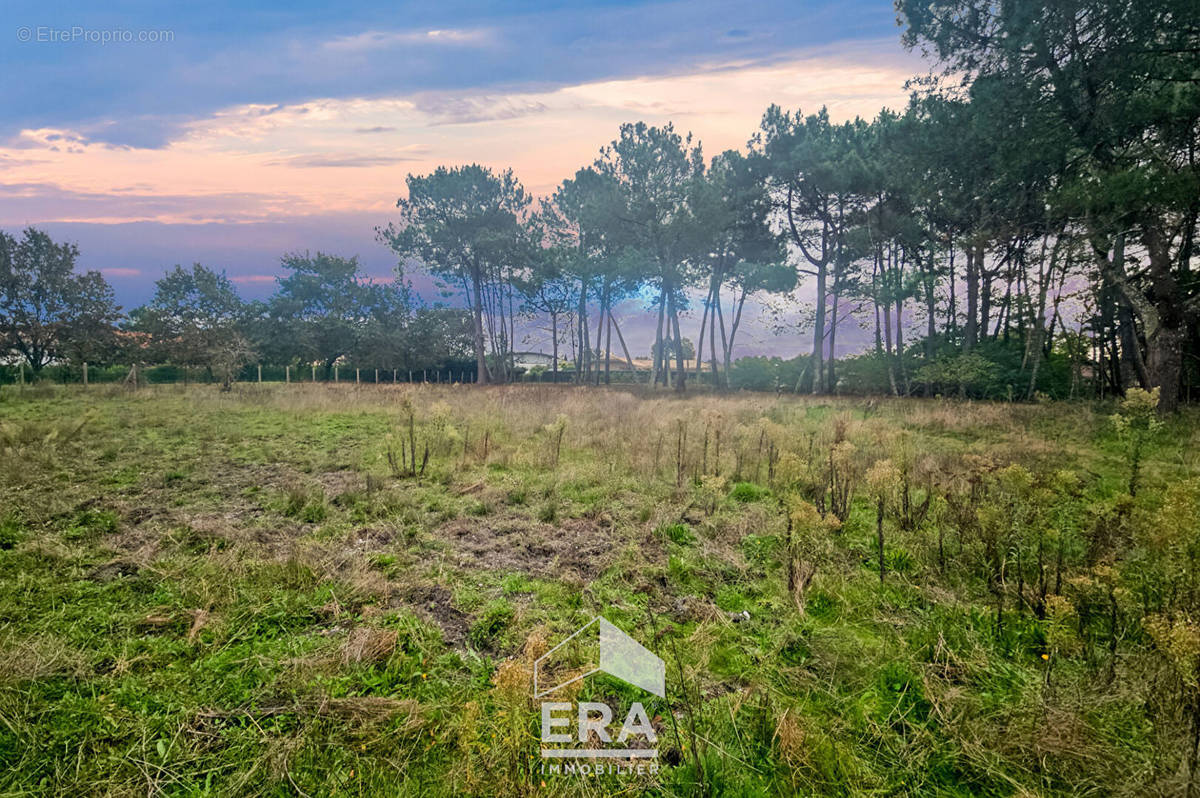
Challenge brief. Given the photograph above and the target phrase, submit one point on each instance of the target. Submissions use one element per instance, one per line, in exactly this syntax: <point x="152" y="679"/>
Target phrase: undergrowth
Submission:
<point x="326" y="590"/>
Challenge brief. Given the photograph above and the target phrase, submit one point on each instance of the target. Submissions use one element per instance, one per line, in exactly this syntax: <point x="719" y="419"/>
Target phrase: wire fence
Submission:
<point x="168" y="374"/>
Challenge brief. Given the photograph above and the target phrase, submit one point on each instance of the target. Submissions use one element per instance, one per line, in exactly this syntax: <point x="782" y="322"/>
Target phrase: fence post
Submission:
<point x="287" y="373"/>
<point x="314" y="368"/>
<point x="376" y="376"/>
<point x="85" y="374"/>
<point x="21" y="370"/>
<point x="357" y="380"/>
<point x="335" y="373"/>
<point x="393" y="376"/>
<point x="424" y="376"/>
<point x="260" y="372"/>
<point x="410" y="375"/>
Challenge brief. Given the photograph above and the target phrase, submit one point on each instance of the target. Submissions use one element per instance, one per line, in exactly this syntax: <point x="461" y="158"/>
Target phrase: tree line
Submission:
<point x="1047" y="162"/>
<point x="1049" y="158"/>
<point x="324" y="310"/>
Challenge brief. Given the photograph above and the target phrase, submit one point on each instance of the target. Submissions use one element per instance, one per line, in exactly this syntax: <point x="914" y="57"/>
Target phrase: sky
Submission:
<point x="153" y="134"/>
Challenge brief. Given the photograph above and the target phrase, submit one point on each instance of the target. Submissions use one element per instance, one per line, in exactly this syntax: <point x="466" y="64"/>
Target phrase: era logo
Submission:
<point x="593" y="717"/>
<point x="622" y="657"/>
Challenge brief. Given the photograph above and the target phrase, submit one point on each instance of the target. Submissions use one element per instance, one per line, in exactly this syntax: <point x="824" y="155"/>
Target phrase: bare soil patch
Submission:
<point x="434" y="603"/>
<point x="515" y="543"/>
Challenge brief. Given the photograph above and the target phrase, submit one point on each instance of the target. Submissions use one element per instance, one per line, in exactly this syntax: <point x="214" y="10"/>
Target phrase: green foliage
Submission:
<point x="11" y="531"/>
<point x="767" y="374"/>
<point x="491" y="622"/>
<point x="746" y="492"/>
<point x="47" y="310"/>
<point x="967" y="374"/>
<point x="466" y="224"/>
<point x="1136" y="425"/>
<point x="680" y="534"/>
<point x="196" y="318"/>
<point x="90" y="524"/>
<point x="252" y="566"/>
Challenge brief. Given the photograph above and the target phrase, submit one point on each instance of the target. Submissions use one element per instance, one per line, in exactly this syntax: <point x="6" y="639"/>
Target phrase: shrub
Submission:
<point x="746" y="492"/>
<point x="1136" y="424"/>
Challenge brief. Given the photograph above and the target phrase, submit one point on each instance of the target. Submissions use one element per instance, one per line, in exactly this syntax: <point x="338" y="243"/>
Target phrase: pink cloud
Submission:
<point x="243" y="279"/>
<point x="120" y="271"/>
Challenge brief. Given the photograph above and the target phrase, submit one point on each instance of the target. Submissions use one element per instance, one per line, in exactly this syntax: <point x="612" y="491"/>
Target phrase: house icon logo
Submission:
<point x="620" y="656"/>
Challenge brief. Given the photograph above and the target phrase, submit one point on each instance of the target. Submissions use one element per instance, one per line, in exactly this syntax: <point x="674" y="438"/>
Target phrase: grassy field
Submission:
<point x="252" y="593"/>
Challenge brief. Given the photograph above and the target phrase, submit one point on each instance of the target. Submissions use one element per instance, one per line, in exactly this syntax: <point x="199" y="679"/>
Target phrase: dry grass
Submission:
<point x="243" y="577"/>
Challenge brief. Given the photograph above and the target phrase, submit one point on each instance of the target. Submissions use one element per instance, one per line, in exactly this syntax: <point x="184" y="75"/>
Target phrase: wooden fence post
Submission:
<point x="21" y="370"/>
<point x="393" y="376"/>
<point x="335" y="373"/>
<point x="85" y="374"/>
<point x="376" y="376"/>
<point x="260" y="372"/>
<point x="314" y="372"/>
<point x="287" y="373"/>
<point x="356" y="377"/>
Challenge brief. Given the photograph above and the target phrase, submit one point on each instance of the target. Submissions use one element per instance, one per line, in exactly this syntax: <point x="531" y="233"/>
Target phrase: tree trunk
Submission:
<point x="887" y="347"/>
<point x="681" y="383"/>
<point x="818" y="355"/>
<point x="608" y="346"/>
<point x="585" y="349"/>
<point x="600" y="325"/>
<point x="554" y="345"/>
<point x="624" y="348"/>
<point x="733" y="330"/>
<point x="1164" y="364"/>
<point x="831" y="380"/>
<point x="971" y="328"/>
<point x="704" y="329"/>
<point x="717" y="316"/>
<point x="480" y="355"/>
<point x="930" y="309"/>
<point x="952" y="305"/>
<point x="658" y="337"/>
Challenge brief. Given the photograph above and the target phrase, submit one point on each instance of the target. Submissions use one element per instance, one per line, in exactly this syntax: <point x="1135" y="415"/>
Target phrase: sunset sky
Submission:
<point x="239" y="135"/>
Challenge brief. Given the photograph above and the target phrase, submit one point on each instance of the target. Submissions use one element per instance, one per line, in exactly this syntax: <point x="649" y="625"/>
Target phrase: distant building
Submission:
<point x="528" y="360"/>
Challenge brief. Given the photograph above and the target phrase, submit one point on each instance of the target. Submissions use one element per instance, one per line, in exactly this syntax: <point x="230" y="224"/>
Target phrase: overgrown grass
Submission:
<point x="265" y="593"/>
